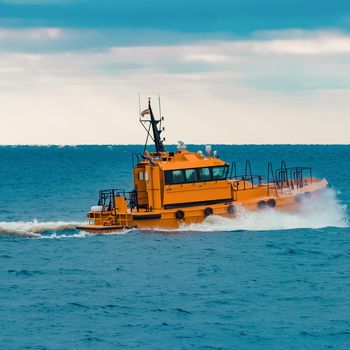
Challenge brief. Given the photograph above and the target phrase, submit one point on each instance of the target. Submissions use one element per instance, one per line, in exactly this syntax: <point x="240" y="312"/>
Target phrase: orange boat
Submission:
<point x="174" y="188"/>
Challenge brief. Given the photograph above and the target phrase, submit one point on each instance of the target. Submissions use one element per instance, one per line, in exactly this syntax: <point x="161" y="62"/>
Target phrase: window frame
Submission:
<point x="195" y="174"/>
<point x="199" y="177"/>
<point x="183" y="177"/>
<point x="225" y="174"/>
<point x="167" y="177"/>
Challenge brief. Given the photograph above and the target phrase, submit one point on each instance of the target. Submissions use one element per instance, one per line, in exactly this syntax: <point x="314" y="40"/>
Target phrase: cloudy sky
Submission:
<point x="227" y="71"/>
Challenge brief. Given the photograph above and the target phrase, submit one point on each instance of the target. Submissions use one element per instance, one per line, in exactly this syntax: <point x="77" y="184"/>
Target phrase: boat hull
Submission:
<point x="250" y="200"/>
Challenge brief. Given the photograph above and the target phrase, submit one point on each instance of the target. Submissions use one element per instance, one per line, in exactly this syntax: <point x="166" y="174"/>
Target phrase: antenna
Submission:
<point x="160" y="112"/>
<point x="153" y="125"/>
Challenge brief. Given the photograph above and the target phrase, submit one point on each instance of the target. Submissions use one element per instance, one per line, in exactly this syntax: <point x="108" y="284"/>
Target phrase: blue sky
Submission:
<point x="281" y="65"/>
<point x="234" y="17"/>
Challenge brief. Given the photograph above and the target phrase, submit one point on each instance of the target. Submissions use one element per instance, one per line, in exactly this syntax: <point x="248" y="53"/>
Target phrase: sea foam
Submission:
<point x="321" y="210"/>
<point x="35" y="228"/>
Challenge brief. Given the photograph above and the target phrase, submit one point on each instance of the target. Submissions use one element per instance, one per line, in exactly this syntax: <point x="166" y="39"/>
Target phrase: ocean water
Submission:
<point x="265" y="280"/>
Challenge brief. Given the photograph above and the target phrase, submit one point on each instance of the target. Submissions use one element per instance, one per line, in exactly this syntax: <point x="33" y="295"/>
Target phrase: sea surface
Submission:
<point x="265" y="280"/>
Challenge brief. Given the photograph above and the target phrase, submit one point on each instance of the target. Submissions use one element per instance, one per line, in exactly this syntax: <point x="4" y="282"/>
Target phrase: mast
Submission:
<point x="153" y="134"/>
<point x="156" y="132"/>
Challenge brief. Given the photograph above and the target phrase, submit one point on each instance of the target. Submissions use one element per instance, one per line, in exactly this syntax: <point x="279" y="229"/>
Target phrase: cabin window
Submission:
<point x="172" y="177"/>
<point x="168" y="177"/>
<point x="146" y="176"/>
<point x="178" y="177"/>
<point x="204" y="174"/>
<point x="141" y="175"/>
<point x="191" y="175"/>
<point x="219" y="173"/>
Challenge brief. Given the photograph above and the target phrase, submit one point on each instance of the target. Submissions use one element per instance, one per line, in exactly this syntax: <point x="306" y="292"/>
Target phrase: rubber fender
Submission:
<point x="271" y="203"/>
<point x="231" y="209"/>
<point x="262" y="205"/>
<point x="180" y="214"/>
<point x="208" y="211"/>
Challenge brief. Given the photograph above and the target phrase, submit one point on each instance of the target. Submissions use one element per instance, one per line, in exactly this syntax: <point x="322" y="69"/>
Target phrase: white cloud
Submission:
<point x="208" y="57"/>
<point x="287" y="42"/>
<point x="30" y="34"/>
<point x="284" y="88"/>
<point x="323" y="44"/>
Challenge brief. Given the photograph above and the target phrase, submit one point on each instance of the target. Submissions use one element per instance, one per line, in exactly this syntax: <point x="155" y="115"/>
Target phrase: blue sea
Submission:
<point x="266" y="280"/>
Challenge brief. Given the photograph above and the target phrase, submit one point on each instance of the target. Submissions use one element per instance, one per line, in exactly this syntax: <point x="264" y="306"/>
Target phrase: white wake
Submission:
<point x="35" y="228"/>
<point x="46" y="230"/>
<point x="321" y="210"/>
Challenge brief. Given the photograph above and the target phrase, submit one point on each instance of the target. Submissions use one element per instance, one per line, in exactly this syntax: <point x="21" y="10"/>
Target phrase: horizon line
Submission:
<point x="173" y="144"/>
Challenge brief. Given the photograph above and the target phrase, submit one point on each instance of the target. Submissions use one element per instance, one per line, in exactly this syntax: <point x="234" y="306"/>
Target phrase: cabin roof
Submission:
<point x="185" y="159"/>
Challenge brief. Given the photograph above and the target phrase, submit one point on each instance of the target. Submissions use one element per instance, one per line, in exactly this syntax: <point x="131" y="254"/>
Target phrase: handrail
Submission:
<point x="281" y="176"/>
<point x="270" y="173"/>
<point x="245" y="179"/>
<point x="130" y="196"/>
<point x="290" y="177"/>
<point x="248" y="175"/>
<point x="297" y="174"/>
<point x="248" y="169"/>
<point x="280" y="179"/>
<point x="233" y="167"/>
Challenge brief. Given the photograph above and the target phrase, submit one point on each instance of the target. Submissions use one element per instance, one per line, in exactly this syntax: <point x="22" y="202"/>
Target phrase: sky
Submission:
<point x="227" y="71"/>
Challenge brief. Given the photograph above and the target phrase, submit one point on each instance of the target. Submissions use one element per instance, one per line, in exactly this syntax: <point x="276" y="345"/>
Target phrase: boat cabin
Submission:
<point x="164" y="181"/>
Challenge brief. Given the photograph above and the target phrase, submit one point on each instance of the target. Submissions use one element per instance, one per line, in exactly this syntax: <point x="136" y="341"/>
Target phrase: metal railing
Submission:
<point x="279" y="180"/>
<point x="107" y="198"/>
<point x="247" y="178"/>
<point x="292" y="177"/>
